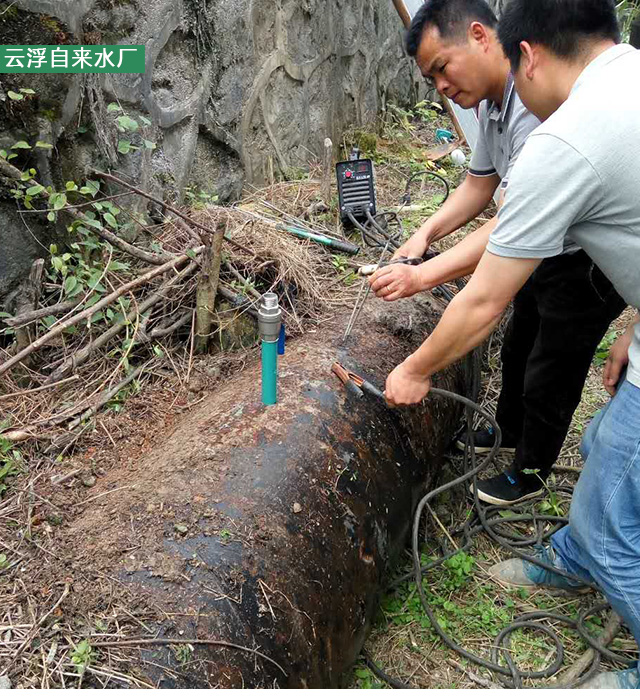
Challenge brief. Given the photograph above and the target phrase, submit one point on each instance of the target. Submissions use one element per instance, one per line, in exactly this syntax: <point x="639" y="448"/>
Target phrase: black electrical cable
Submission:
<point x="487" y="524"/>
<point x="406" y="197"/>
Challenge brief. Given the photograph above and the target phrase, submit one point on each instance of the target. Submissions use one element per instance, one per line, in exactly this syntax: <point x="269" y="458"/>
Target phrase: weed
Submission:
<point x="602" y="353"/>
<point x="183" y="652"/>
<point x="11" y="463"/>
<point x="366" y="679"/>
<point x="459" y="568"/>
<point x="82" y="656"/>
<point x="198" y="198"/>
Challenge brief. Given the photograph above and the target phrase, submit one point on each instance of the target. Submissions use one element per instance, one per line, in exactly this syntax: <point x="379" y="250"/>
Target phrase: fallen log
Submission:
<point x="274" y="528"/>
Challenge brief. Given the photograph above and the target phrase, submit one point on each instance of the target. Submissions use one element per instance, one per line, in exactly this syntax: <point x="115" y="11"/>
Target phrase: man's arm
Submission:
<point x="398" y="281"/>
<point x="394" y="282"/>
<point x="618" y="358"/>
<point x="469" y="200"/>
<point x="468" y="320"/>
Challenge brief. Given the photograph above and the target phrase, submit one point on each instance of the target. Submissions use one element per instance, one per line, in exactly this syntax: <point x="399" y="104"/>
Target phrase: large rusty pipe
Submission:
<point x="274" y="527"/>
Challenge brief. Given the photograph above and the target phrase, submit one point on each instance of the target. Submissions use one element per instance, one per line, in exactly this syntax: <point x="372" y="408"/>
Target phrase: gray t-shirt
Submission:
<point x="578" y="178"/>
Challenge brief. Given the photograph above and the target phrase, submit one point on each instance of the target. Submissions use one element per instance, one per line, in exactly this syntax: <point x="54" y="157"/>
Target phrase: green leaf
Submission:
<point x="16" y="96"/>
<point x="27" y="91"/>
<point x="11" y="156"/>
<point x="114" y="107"/>
<point x="124" y="146"/>
<point x="70" y="285"/>
<point x="127" y="124"/>
<point x="57" y="200"/>
<point x="43" y="144"/>
<point x="93" y="186"/>
<point x="94" y="224"/>
<point x="145" y="121"/>
<point x="71" y="186"/>
<point x="111" y="220"/>
<point x="191" y="253"/>
<point x="51" y="216"/>
<point x="20" y="144"/>
<point x="36" y="189"/>
<point x="150" y="145"/>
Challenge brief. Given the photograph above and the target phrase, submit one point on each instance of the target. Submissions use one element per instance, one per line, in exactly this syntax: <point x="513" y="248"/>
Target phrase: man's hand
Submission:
<point x="416" y="246"/>
<point x="396" y="281"/>
<point x="404" y="388"/>
<point x="616" y="362"/>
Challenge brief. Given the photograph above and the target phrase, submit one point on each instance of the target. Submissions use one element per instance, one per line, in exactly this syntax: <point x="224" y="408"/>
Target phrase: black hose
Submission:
<point x="406" y="197"/>
<point x="488" y="523"/>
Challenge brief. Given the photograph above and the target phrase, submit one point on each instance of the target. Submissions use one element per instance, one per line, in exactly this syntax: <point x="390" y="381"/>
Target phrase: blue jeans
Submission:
<point x="602" y="541"/>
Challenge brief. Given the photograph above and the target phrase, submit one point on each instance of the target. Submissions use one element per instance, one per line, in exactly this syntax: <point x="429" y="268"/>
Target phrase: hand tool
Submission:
<point x="354" y="383"/>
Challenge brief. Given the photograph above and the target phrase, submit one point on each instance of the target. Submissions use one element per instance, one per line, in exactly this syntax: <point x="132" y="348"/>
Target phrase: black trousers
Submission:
<point x="559" y="318"/>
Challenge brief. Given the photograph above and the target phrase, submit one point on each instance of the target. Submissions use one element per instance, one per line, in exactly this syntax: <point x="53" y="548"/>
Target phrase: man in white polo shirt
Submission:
<point x="577" y="178"/>
<point x="562" y="313"/>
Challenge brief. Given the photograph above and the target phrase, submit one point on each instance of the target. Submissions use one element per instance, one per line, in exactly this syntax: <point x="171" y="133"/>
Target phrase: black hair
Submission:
<point x="562" y="26"/>
<point x="451" y="17"/>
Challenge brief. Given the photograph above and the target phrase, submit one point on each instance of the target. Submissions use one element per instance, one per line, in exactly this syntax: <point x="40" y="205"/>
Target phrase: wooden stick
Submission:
<point x="87" y="313"/>
<point x="53" y="310"/>
<point x="208" y="288"/>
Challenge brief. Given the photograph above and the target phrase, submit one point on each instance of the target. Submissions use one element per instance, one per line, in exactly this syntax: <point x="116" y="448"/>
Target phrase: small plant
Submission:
<point x="82" y="656"/>
<point x="366" y="679"/>
<point x="132" y="139"/>
<point x="11" y="463"/>
<point x="183" y="652"/>
<point x="3" y="562"/>
<point x="225" y="536"/>
<point x="199" y="199"/>
<point x="602" y="353"/>
<point x="459" y="567"/>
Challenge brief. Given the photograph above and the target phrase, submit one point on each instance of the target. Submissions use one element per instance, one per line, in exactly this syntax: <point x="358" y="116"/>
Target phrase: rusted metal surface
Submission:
<point x="291" y="514"/>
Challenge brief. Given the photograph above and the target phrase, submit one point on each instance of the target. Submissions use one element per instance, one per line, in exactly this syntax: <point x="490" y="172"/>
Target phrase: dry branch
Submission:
<point x="83" y="354"/>
<point x="87" y="313"/>
<point x="208" y="288"/>
<point x="177" y="212"/>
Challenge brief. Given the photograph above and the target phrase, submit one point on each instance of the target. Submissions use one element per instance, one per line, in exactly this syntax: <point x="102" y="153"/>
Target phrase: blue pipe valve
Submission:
<point x="269" y="324"/>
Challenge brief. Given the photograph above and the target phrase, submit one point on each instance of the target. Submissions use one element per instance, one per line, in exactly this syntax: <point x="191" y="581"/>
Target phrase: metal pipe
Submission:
<point x="269" y="324"/>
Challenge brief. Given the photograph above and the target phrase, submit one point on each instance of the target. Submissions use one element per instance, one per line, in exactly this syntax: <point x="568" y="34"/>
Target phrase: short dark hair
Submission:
<point x="562" y="26"/>
<point x="451" y="17"/>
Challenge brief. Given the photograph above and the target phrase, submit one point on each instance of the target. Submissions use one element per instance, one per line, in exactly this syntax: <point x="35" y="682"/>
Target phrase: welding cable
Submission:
<point x="406" y="197"/>
<point x="489" y="523"/>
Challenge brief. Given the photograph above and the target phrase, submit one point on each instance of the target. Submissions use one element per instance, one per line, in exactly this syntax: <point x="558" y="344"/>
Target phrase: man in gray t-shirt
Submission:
<point x="562" y="313"/>
<point x="578" y="178"/>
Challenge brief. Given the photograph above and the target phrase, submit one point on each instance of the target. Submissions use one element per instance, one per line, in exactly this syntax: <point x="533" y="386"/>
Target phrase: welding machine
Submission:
<point x="356" y="188"/>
